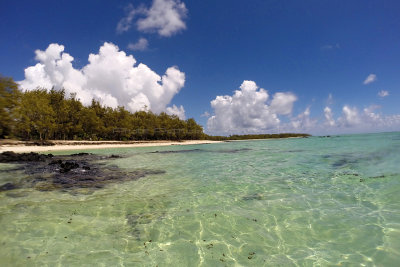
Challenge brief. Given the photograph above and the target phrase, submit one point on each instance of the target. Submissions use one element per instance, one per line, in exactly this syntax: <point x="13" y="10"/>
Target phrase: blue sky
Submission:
<point x="318" y="54"/>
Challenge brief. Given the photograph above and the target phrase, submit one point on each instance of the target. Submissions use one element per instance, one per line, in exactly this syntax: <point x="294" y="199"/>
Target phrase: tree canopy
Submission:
<point x="42" y="114"/>
<point x="9" y="96"/>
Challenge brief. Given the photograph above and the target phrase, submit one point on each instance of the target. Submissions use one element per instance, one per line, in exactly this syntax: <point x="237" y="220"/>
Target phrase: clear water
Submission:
<point x="293" y="202"/>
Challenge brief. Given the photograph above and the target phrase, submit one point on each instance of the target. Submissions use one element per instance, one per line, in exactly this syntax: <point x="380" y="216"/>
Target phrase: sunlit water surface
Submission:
<point x="314" y="201"/>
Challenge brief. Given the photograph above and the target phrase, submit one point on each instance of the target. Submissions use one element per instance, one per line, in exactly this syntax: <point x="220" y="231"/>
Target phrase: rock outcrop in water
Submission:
<point x="68" y="173"/>
<point x="10" y="156"/>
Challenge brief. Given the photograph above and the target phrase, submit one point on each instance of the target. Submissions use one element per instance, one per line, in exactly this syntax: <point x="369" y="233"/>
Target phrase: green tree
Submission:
<point x="59" y="106"/>
<point x="91" y="124"/>
<point x="73" y="127"/>
<point x="35" y="115"/>
<point x="9" y="95"/>
<point x="42" y="114"/>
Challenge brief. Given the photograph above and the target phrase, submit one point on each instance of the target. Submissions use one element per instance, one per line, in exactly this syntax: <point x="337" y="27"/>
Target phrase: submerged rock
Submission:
<point x="81" y="154"/>
<point x="72" y="173"/>
<point x="10" y="156"/>
<point x="7" y="186"/>
<point x="67" y="166"/>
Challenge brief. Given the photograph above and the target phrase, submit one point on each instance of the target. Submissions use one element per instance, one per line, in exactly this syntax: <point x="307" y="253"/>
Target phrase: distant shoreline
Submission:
<point x="63" y="145"/>
<point x="60" y="145"/>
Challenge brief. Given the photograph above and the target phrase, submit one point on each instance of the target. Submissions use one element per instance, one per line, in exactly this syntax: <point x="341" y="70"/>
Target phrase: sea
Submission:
<point x="318" y="201"/>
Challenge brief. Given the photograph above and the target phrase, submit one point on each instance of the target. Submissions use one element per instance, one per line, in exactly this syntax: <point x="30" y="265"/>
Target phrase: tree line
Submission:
<point x="51" y="115"/>
<point x="42" y="115"/>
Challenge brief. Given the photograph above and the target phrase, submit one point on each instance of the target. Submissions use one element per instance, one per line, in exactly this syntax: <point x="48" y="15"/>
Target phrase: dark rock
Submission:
<point x="80" y="175"/>
<point x="10" y="156"/>
<point x="67" y="166"/>
<point x="7" y="186"/>
<point x="81" y="154"/>
<point x="53" y="162"/>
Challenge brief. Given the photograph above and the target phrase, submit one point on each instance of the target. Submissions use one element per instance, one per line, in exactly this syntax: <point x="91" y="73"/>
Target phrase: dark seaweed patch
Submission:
<point x="8" y="186"/>
<point x="343" y="162"/>
<point x="177" y="151"/>
<point x="10" y="156"/>
<point x="379" y="176"/>
<point x="201" y="150"/>
<point x="294" y="151"/>
<point x="255" y="196"/>
<point x="346" y="159"/>
<point x="82" y="154"/>
<point x="232" y="150"/>
<point x="68" y="173"/>
<point x="396" y="138"/>
<point x="16" y="194"/>
<point x="135" y="221"/>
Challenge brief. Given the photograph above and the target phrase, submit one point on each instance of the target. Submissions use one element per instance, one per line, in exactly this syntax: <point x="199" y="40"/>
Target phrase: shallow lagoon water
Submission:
<point x="314" y="201"/>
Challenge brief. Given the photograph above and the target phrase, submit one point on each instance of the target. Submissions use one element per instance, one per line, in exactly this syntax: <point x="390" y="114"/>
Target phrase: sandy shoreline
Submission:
<point x="83" y="145"/>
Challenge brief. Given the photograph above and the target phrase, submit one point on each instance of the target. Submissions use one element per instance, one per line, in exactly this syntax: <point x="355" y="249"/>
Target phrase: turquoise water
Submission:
<point x="294" y="202"/>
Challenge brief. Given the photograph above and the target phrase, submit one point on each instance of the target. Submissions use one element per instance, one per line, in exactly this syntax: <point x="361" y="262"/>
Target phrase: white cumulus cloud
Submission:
<point x="178" y="111"/>
<point x="350" y="116"/>
<point x="251" y="110"/>
<point x="282" y="103"/>
<point x="368" y="120"/>
<point x="330" y="121"/>
<point x="370" y="79"/>
<point x="383" y="93"/>
<point x="370" y="116"/>
<point x="141" y="45"/>
<point x="248" y="110"/>
<point x="303" y="122"/>
<point x="206" y="114"/>
<point x="166" y="17"/>
<point x="352" y="120"/>
<point x="111" y="76"/>
<point x="126" y="22"/>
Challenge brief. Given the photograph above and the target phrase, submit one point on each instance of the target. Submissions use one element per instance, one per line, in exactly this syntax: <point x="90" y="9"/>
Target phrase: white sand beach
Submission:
<point x="83" y="145"/>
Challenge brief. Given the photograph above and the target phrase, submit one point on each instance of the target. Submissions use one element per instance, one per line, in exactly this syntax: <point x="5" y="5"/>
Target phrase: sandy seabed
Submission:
<point x="83" y="145"/>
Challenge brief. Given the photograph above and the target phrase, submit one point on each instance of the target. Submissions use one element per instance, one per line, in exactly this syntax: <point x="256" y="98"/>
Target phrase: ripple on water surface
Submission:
<point x="314" y="201"/>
